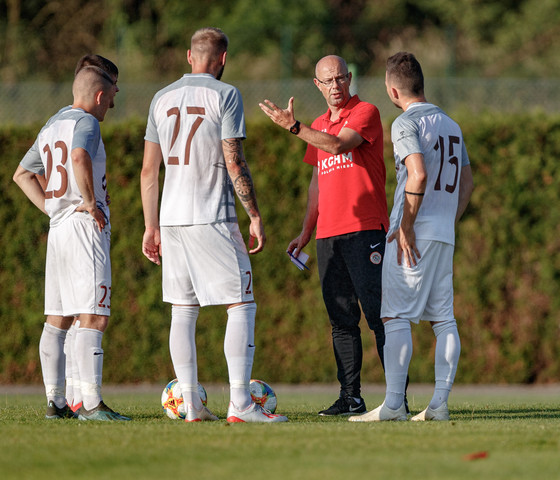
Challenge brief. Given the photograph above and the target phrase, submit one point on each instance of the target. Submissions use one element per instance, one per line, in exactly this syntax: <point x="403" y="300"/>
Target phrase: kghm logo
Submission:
<point x="334" y="160"/>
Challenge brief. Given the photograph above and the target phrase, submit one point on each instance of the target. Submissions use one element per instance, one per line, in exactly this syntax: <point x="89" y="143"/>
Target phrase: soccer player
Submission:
<point x="196" y="126"/>
<point x="68" y="151"/>
<point x="73" y="392"/>
<point x="434" y="185"/>
<point x="347" y="203"/>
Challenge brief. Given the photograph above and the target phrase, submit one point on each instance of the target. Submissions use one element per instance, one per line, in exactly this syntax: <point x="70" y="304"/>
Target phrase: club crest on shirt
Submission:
<point x="375" y="258"/>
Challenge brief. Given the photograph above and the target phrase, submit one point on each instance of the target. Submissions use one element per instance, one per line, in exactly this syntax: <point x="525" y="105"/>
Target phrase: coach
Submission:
<point x="347" y="204"/>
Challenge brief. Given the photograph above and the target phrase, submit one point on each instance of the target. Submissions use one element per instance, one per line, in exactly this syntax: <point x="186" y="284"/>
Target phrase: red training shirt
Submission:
<point x="351" y="185"/>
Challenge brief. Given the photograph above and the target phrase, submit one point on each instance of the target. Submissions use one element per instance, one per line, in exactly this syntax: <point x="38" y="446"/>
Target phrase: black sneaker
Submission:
<point x="54" y="413"/>
<point x="345" y="405"/>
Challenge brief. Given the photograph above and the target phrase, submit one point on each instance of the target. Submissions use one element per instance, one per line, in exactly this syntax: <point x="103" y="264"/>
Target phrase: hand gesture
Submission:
<point x="284" y="118"/>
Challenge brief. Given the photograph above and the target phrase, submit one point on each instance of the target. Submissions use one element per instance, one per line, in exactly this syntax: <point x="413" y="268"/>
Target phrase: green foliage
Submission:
<point x="507" y="265"/>
<point x="507" y="260"/>
<point x="280" y="38"/>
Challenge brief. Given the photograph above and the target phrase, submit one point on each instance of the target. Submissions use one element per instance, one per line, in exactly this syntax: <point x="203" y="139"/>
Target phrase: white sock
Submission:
<point x="182" y="346"/>
<point x="397" y="353"/>
<point x="77" y="390"/>
<point x="89" y="356"/>
<point x="448" y="349"/>
<point x="239" y="349"/>
<point x="51" y="354"/>
<point x="68" y="346"/>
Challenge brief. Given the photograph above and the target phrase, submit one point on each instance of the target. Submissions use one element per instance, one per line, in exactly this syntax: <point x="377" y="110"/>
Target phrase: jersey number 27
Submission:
<point x="172" y="160"/>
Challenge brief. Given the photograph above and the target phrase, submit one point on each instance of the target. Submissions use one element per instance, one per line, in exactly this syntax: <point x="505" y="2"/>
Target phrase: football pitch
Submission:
<point x="494" y="433"/>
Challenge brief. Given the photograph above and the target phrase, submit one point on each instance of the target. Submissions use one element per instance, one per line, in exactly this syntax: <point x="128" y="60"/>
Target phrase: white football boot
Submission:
<point x="439" y="413"/>
<point x="381" y="414"/>
<point x="253" y="413"/>
<point x="202" y="415"/>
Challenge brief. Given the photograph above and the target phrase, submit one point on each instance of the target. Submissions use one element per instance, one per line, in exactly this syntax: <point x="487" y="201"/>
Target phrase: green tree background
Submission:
<point x="281" y="38"/>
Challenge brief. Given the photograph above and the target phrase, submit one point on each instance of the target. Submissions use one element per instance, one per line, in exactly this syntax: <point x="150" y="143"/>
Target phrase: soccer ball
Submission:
<point x="172" y="400"/>
<point x="262" y="394"/>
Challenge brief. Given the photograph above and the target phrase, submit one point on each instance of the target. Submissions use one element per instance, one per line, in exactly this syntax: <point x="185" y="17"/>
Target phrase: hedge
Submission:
<point x="507" y="265"/>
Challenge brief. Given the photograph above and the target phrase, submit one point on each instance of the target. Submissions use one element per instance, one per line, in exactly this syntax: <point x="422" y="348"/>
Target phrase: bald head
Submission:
<point x="333" y="80"/>
<point x="330" y="63"/>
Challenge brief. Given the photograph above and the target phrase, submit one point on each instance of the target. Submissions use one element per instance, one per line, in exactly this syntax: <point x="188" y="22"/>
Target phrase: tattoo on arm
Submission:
<point x="240" y="175"/>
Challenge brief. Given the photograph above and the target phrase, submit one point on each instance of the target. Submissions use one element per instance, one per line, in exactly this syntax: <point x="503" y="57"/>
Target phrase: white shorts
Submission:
<point x="423" y="292"/>
<point x="205" y="265"/>
<point x="78" y="270"/>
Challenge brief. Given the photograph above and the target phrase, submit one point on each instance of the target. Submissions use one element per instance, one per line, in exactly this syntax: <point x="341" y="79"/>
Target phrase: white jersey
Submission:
<point x="50" y="155"/>
<point x="426" y="129"/>
<point x="189" y="119"/>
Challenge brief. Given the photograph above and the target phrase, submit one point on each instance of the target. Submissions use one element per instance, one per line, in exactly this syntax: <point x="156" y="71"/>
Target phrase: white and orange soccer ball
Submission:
<point x="172" y="400"/>
<point x="262" y="394"/>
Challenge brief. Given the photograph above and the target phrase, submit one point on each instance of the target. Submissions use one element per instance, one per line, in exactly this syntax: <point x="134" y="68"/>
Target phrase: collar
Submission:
<point x="344" y="111"/>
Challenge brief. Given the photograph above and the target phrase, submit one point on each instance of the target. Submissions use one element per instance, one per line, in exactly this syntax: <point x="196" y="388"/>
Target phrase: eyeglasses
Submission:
<point x="340" y="80"/>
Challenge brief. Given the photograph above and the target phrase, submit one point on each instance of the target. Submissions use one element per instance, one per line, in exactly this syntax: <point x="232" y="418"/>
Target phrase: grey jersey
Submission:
<point x="51" y="155"/>
<point x="424" y="128"/>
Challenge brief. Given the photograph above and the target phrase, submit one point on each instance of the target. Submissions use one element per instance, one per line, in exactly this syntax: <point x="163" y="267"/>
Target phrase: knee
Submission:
<point x="95" y="322"/>
<point x="396" y="324"/>
<point x="441" y="327"/>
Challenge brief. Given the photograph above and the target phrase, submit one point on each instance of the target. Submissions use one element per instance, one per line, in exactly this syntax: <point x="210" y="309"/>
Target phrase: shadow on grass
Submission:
<point x="506" y="413"/>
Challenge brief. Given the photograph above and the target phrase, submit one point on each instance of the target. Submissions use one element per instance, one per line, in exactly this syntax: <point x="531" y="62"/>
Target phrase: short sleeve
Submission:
<point x="233" y="122"/>
<point x="32" y="160"/>
<point x="87" y="135"/>
<point x="366" y="121"/>
<point x="405" y="137"/>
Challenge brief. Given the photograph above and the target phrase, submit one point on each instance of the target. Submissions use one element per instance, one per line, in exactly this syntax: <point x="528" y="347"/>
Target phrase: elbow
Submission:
<point x="337" y="148"/>
<point x="334" y="146"/>
<point x="421" y="179"/>
<point x="18" y="177"/>
<point x="147" y="175"/>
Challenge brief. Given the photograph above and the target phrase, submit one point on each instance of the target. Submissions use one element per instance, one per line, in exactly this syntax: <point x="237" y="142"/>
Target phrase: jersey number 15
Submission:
<point x="452" y="159"/>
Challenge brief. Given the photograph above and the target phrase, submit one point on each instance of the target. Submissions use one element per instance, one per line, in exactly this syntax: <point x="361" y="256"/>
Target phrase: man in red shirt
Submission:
<point x="347" y="204"/>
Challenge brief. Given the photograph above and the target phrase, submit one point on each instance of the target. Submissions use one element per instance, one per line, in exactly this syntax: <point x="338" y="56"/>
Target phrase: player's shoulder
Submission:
<point x="76" y="116"/>
<point x="202" y="80"/>
<point x="417" y="111"/>
<point x="83" y="119"/>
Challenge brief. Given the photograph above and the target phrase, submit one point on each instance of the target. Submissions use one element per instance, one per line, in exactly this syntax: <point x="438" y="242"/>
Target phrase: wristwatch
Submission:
<point x="295" y="128"/>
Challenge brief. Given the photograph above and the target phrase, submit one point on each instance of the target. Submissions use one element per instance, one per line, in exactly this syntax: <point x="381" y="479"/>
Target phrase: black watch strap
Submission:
<point x="295" y="128"/>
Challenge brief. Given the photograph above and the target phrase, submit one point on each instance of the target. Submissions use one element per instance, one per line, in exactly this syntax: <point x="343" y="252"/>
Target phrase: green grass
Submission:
<point x="519" y="431"/>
